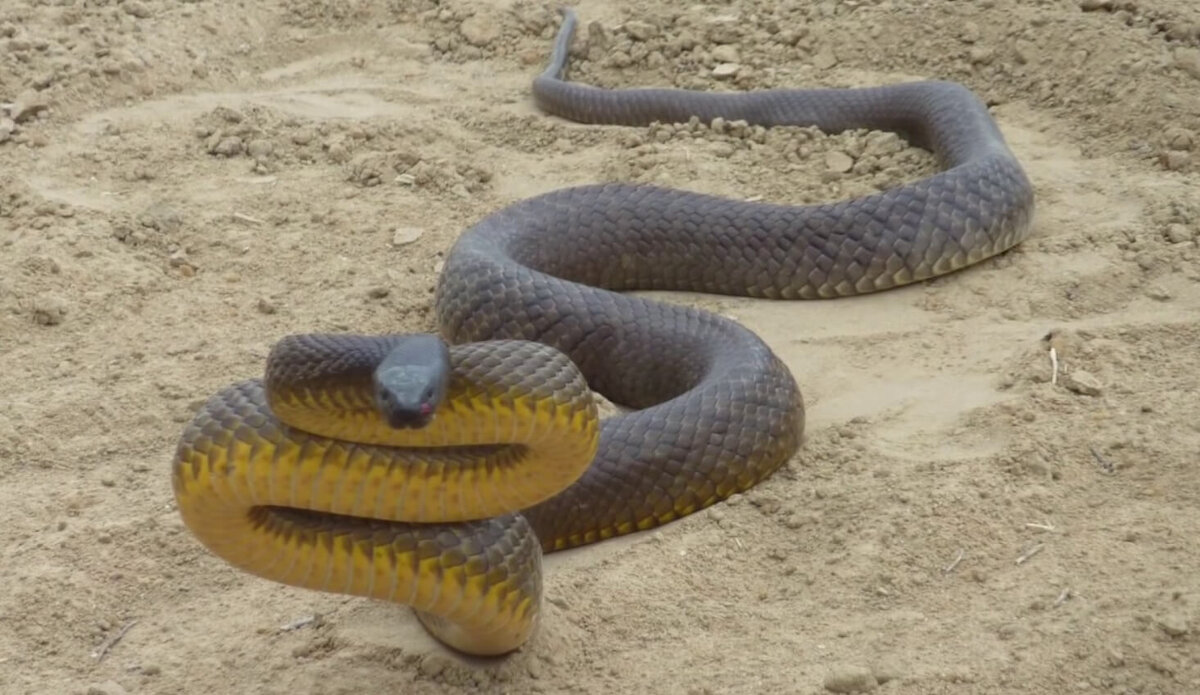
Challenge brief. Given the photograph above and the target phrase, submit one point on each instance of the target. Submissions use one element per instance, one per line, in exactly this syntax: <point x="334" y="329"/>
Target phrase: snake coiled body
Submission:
<point x="295" y="478"/>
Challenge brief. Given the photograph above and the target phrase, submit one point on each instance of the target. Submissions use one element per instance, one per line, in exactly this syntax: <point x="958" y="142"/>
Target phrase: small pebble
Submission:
<point x="28" y="105"/>
<point x="1178" y="233"/>
<point x="723" y="29"/>
<point x="266" y="306"/>
<point x="1158" y="293"/>
<point x="1093" y="5"/>
<point x="479" y="30"/>
<point x="726" y="71"/>
<point x="137" y="9"/>
<point x="259" y="149"/>
<point x="1174" y="625"/>
<point x="838" y="161"/>
<point x="1082" y="382"/>
<point x="378" y="292"/>
<point x="1177" y="138"/>
<point x="432" y="665"/>
<point x="640" y="31"/>
<point x="406" y="235"/>
<point x="107" y="688"/>
<point x="227" y="147"/>
<point x="1175" y="160"/>
<point x="1188" y="60"/>
<point x="725" y="54"/>
<point x="981" y="55"/>
<point x="49" y="310"/>
<point x="825" y="59"/>
<point x="850" y="679"/>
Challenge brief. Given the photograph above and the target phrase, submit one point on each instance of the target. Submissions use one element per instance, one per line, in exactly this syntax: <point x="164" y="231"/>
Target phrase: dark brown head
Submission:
<point x="411" y="381"/>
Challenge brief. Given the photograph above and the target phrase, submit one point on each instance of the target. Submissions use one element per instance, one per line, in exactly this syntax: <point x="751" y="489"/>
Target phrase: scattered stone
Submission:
<point x="479" y="31"/>
<point x="850" y="679"/>
<point x="48" y="310"/>
<point x="1177" y="138"/>
<point x="726" y="71"/>
<point x="597" y="39"/>
<point x="226" y="147"/>
<point x="838" y="161"/>
<point x="1174" y="625"/>
<point x="1094" y="5"/>
<point x="1178" y="233"/>
<point x="260" y="149"/>
<point x="28" y="104"/>
<point x="1082" y="382"/>
<point x="378" y="292"/>
<point x="266" y="306"/>
<point x="161" y="216"/>
<point x="825" y="58"/>
<point x="970" y="32"/>
<point x="137" y="9"/>
<point x="303" y="136"/>
<point x="725" y="54"/>
<point x="432" y="665"/>
<point x="406" y="235"/>
<point x="1158" y="293"/>
<point x="640" y="31"/>
<point x="1188" y="60"/>
<point x="981" y="55"/>
<point x="722" y="149"/>
<point x="7" y="127"/>
<point x="886" y="671"/>
<point x="723" y="29"/>
<point x="1175" y="160"/>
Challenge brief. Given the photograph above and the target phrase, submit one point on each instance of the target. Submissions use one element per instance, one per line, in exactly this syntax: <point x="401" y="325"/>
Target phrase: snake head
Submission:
<point x="411" y="381"/>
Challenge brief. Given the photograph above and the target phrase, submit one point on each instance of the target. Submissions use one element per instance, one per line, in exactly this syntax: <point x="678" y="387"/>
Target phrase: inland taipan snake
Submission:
<point x="401" y="469"/>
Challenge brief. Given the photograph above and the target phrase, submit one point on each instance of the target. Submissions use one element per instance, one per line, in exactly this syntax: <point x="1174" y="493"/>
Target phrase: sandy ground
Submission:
<point x="182" y="183"/>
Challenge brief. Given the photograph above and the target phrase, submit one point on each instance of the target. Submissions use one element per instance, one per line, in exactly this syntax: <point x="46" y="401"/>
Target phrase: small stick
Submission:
<point x="1053" y="366"/>
<point x="958" y="558"/>
<point x="240" y="217"/>
<point x="1105" y="464"/>
<point x="1030" y="553"/>
<point x="111" y="642"/>
<point x="1062" y="598"/>
<point x="1040" y="527"/>
<point x="297" y="624"/>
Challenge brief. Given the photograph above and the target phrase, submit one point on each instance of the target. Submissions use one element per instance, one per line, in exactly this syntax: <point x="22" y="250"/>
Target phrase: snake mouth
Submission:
<point x="409" y="418"/>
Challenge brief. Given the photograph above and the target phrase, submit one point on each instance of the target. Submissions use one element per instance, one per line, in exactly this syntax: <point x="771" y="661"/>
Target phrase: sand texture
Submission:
<point x="184" y="182"/>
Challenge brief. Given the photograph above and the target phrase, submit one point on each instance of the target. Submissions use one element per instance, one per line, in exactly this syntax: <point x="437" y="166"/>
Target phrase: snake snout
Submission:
<point x="407" y="405"/>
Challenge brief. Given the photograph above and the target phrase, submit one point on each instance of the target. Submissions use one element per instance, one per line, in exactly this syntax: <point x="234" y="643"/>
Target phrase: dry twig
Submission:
<point x="1105" y="465"/>
<point x="111" y="642"/>
<point x="1030" y="553"/>
<point x="957" y="559"/>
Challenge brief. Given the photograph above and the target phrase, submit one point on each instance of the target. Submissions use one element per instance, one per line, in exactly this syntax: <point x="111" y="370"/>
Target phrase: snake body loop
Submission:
<point x="297" y="478"/>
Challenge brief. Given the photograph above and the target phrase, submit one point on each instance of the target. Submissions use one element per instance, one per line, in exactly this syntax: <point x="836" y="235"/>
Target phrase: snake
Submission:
<point x="436" y="470"/>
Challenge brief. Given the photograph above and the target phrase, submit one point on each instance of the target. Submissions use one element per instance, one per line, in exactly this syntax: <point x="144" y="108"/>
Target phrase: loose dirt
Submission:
<point x="182" y="183"/>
